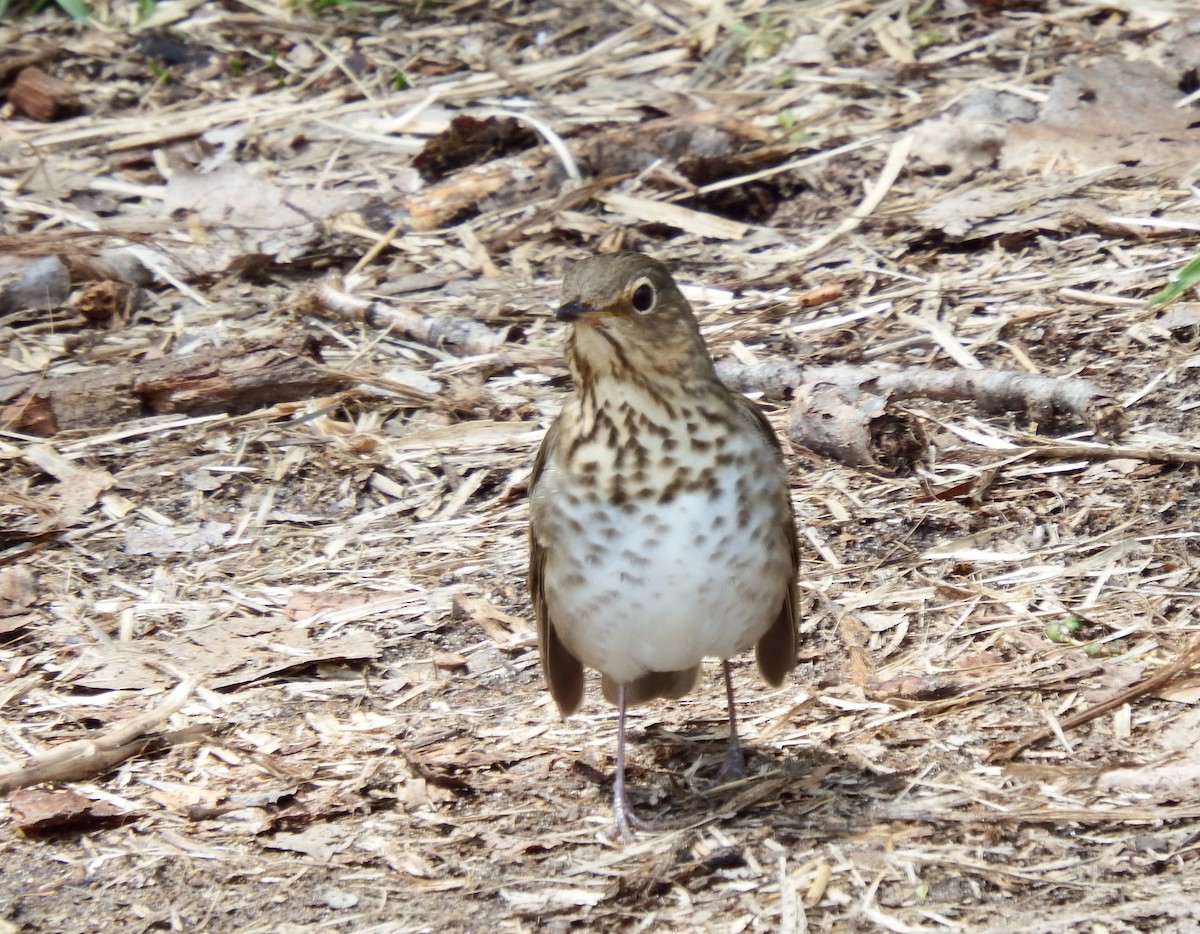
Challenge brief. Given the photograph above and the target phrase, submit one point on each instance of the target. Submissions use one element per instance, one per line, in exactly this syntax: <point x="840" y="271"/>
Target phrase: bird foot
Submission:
<point x="733" y="769"/>
<point x="625" y="822"/>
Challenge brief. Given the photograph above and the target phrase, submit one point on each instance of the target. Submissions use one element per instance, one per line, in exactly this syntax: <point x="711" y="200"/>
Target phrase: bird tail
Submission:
<point x="670" y="684"/>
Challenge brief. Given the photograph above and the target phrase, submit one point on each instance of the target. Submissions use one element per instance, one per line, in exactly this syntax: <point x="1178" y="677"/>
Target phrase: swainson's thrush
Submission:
<point x="661" y="529"/>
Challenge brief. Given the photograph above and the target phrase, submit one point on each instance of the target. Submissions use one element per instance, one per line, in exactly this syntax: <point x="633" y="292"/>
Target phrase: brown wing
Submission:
<point x="776" y="650"/>
<point x="562" y="670"/>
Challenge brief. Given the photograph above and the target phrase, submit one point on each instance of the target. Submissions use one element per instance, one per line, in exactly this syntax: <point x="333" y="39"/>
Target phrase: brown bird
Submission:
<point x="661" y="529"/>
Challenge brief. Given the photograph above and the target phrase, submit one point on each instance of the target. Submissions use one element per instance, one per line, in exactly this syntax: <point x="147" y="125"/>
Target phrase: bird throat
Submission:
<point x="636" y="434"/>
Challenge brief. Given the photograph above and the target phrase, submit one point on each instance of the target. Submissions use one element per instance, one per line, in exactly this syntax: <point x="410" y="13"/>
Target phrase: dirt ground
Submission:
<point x="266" y="655"/>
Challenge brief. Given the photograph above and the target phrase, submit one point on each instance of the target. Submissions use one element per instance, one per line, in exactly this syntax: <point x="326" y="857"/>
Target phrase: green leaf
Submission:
<point x="76" y="9"/>
<point x="1188" y="276"/>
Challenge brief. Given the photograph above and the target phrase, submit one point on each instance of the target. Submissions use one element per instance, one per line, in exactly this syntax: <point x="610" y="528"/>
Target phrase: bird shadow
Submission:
<point x="810" y="792"/>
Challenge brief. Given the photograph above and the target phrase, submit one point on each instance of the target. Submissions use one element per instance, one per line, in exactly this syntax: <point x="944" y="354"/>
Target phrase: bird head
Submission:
<point x="629" y="315"/>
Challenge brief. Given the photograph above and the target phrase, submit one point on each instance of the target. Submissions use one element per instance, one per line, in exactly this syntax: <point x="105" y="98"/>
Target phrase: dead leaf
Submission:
<point x="502" y="627"/>
<point x="77" y="491"/>
<point x="182" y="797"/>
<point x="1176" y="775"/>
<point x="28" y="282"/>
<point x="450" y="661"/>
<point x="1183" y="691"/>
<point x="232" y="196"/>
<point x="1114" y="112"/>
<point x="877" y="621"/>
<point x="914" y="687"/>
<point x="241" y="216"/>
<point x="18" y="589"/>
<point x="17" y="621"/>
<point x="306" y="603"/>
<point x="968" y="137"/>
<point x="225" y="653"/>
<point x="469" y="141"/>
<point x="1180" y="316"/>
<point x="320" y="841"/>
<point x="40" y="812"/>
<point x="159" y="540"/>
<point x="398" y="859"/>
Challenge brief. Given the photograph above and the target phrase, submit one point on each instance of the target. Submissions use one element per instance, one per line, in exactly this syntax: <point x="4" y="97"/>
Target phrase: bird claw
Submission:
<point x="625" y="822"/>
<point x="733" y="769"/>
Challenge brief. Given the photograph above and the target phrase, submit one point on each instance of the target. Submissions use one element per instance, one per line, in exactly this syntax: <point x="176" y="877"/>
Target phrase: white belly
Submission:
<point x="659" y="587"/>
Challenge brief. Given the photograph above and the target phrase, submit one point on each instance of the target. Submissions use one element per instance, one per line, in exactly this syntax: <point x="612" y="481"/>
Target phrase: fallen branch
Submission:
<point x="1072" y="449"/>
<point x="844" y="412"/>
<point x="698" y="149"/>
<point x="451" y="332"/>
<point x="459" y="334"/>
<point x="1159" y="679"/>
<point x="855" y="428"/>
<point x="841" y="412"/>
<point x="237" y="377"/>
<point x="1045" y="399"/>
<point x="85" y="758"/>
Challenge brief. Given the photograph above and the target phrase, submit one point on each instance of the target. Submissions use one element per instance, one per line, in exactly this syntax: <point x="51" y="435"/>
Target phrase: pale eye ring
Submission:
<point x="643" y="298"/>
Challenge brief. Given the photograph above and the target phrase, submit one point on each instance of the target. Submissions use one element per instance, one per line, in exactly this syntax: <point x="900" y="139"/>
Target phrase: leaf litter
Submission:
<point x="280" y="654"/>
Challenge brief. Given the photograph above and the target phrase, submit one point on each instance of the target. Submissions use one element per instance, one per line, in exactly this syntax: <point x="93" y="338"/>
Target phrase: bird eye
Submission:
<point x="643" y="298"/>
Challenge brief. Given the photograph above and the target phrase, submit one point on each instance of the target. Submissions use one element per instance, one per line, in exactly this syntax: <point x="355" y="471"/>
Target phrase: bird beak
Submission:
<point x="576" y="310"/>
<point x="572" y="311"/>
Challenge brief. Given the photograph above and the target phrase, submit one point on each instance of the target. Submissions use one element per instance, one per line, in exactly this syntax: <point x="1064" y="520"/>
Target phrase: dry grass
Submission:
<point x="368" y="746"/>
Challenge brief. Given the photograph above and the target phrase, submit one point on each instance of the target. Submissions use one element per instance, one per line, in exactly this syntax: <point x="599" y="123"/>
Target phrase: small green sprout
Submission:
<point x="1188" y="276"/>
<point x="1065" y="629"/>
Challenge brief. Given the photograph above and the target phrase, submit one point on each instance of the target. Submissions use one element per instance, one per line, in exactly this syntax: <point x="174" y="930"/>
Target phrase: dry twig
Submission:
<point x="84" y="758"/>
